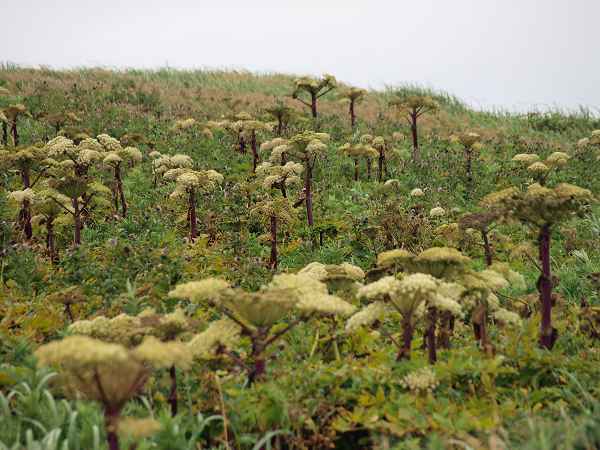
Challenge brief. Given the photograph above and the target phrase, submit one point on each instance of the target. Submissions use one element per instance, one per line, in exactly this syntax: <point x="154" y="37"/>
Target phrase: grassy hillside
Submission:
<point x="326" y="384"/>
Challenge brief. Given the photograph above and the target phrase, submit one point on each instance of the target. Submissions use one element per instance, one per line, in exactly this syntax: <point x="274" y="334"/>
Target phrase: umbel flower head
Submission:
<point x="262" y="309"/>
<point x="279" y="176"/>
<point x="302" y="146"/>
<point x="424" y="379"/>
<point x="470" y="140"/>
<point x="220" y="333"/>
<point x="409" y="296"/>
<point x="110" y="373"/>
<point x="404" y="105"/>
<point x="439" y="262"/>
<point x="541" y="206"/>
<point x="542" y="168"/>
<point x="342" y="277"/>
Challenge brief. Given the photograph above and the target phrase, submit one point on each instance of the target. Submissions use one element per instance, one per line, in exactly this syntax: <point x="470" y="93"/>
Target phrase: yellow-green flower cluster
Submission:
<point x="439" y="262"/>
<point x="162" y="354"/>
<point x="211" y="289"/>
<point x="123" y="329"/>
<point x="80" y="350"/>
<point x="219" y="333"/>
<point x="405" y="105"/>
<point x="526" y="158"/>
<point x="470" y="140"/>
<point x="541" y="206"/>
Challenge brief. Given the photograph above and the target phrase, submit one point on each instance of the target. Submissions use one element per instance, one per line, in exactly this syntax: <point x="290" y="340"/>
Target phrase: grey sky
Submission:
<point x="508" y="53"/>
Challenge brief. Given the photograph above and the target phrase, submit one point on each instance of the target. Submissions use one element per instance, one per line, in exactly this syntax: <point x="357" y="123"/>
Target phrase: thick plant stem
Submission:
<point x="273" y="258"/>
<point x="77" y="218"/>
<point x="430" y="334"/>
<point x="313" y="104"/>
<point x="469" y="159"/>
<point x="254" y="152"/>
<point x="315" y="345"/>
<point x="487" y="248"/>
<point x="111" y="422"/>
<point x="546" y="310"/>
<point x="121" y="191"/>
<point x="369" y="169"/>
<point x="380" y="164"/>
<point x="356" y="169"/>
<point x="259" y="345"/>
<point x="352" y="116"/>
<point x="51" y="244"/>
<point x="192" y="211"/>
<point x="14" y="131"/>
<point x="173" y="395"/>
<point x="413" y="127"/>
<point x="309" y="209"/>
<point x="407" y="336"/>
<point x="336" y="350"/>
<point x="26" y="212"/>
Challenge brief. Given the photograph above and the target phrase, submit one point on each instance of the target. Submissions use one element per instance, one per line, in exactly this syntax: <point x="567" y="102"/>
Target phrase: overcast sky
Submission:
<point x="504" y="53"/>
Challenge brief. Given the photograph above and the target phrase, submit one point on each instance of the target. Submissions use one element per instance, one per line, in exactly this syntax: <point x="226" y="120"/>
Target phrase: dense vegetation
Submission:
<point x="408" y="273"/>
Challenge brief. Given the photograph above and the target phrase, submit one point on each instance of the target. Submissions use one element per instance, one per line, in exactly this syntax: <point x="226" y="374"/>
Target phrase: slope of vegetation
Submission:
<point x="323" y="319"/>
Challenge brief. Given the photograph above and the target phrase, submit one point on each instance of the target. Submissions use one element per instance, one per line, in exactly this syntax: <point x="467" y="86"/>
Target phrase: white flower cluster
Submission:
<point x="443" y="303"/>
<point x="189" y="179"/>
<point x="270" y="180"/>
<point x="423" y="379"/>
<point x="59" y="146"/>
<point x="214" y="176"/>
<point x="113" y="158"/>
<point x="20" y="196"/>
<point x="130" y="153"/>
<point x="91" y="144"/>
<point x="353" y="271"/>
<point x="314" y="270"/>
<point x="165" y="162"/>
<point x="417" y="193"/>
<point x="412" y="293"/>
<point x="437" y="212"/>
<point x="325" y="303"/>
<point x="87" y="157"/>
<point x="108" y="143"/>
<point x="367" y="316"/>
<point x="507" y="316"/>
